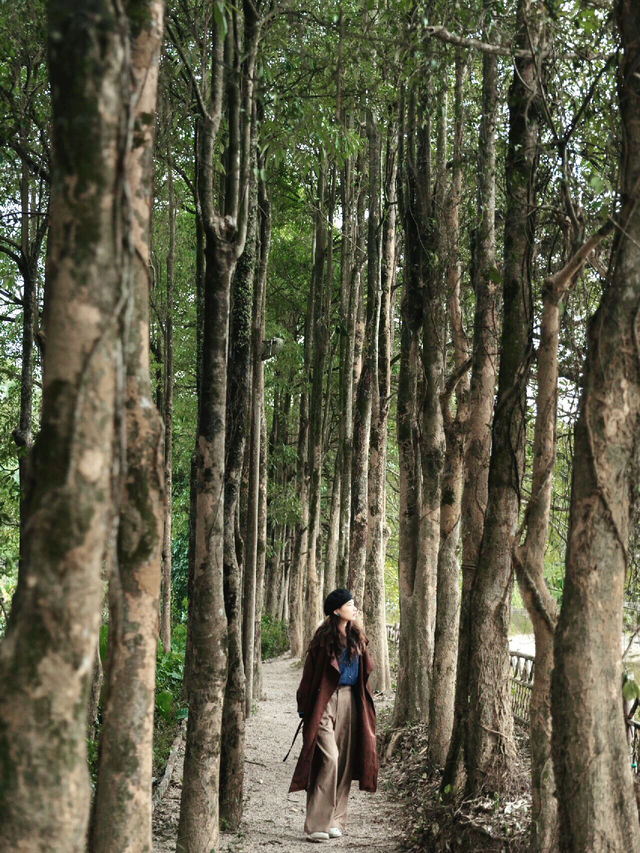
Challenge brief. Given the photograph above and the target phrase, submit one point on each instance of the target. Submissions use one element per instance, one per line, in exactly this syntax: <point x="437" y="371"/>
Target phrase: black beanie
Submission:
<point x="335" y="600"/>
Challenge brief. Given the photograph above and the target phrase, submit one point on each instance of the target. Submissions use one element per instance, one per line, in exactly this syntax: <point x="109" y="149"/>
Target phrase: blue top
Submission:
<point x="349" y="669"/>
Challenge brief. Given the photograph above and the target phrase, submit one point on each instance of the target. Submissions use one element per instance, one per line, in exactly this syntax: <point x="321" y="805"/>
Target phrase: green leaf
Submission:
<point x="104" y="638"/>
<point x="630" y="690"/>
<point x="220" y="18"/>
<point x="182" y="714"/>
<point x="595" y="182"/>
<point x="164" y="702"/>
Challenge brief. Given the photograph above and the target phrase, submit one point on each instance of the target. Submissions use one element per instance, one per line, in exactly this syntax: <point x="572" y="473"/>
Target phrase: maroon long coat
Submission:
<point x="320" y="678"/>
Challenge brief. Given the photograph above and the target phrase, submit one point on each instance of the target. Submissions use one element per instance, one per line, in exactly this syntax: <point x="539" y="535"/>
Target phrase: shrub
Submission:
<point x="275" y="640"/>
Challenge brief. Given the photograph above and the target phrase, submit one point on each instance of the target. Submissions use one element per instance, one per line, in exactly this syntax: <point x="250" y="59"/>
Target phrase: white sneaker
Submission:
<point x="318" y="836"/>
<point x="334" y="832"/>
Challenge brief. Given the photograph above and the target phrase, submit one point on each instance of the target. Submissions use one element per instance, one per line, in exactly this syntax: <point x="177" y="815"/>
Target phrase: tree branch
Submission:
<point x="192" y="76"/>
<point x="443" y="34"/>
<point x="559" y="281"/>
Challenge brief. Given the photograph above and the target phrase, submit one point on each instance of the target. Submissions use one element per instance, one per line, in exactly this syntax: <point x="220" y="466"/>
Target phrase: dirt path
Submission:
<point x="273" y="818"/>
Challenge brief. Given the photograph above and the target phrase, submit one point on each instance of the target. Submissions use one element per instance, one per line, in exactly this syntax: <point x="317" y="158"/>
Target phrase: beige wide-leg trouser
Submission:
<point x="327" y="800"/>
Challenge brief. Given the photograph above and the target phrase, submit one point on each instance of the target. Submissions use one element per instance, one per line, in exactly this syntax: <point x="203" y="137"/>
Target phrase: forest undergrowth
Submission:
<point x="490" y="823"/>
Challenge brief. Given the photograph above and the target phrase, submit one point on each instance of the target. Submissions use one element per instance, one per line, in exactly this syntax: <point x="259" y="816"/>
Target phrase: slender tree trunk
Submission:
<point x="206" y="668"/>
<point x="47" y="653"/>
<point x="165" y="609"/>
<point x="279" y="532"/>
<point x="490" y="746"/>
<point x="23" y="435"/>
<point x="225" y="235"/>
<point x="321" y="288"/>
<point x="238" y="403"/>
<point x="529" y="557"/>
<point x="597" y="808"/>
<point x="447" y="595"/>
<point x="200" y="263"/>
<point x="484" y="360"/>
<point x="261" y="510"/>
<point x="415" y="588"/>
<point x="333" y="539"/>
<point x="257" y="385"/>
<point x="374" y="597"/>
<point x="262" y="555"/>
<point x="350" y="277"/>
<point x="347" y="341"/>
<point x="301" y="536"/>
<point x="368" y="382"/>
<point x="122" y="806"/>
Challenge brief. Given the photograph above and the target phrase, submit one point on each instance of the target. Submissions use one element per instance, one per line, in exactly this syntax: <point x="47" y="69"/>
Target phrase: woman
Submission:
<point x="339" y="719"/>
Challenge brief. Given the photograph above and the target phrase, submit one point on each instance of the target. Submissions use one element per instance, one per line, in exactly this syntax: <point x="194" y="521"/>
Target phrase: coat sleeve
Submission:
<point x="303" y="694"/>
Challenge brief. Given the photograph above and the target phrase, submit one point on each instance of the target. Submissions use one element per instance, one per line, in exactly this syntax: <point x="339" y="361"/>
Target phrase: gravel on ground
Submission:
<point x="273" y="818"/>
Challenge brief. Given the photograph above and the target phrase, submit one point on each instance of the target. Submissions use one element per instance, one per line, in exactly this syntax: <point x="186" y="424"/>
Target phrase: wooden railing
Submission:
<point x="521" y="667"/>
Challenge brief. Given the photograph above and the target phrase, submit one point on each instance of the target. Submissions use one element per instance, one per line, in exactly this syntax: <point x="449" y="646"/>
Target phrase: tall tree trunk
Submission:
<point x="374" y="597"/>
<point x="301" y="536"/>
<point x="447" y="595"/>
<point x="490" y="746"/>
<point x="597" y="808"/>
<point x="165" y="608"/>
<point x="414" y="649"/>
<point x="333" y="537"/>
<point x="23" y="435"/>
<point x="418" y="565"/>
<point x="225" y="235"/>
<point x="351" y="255"/>
<point x="529" y="556"/>
<point x="206" y="666"/>
<point x="251" y="538"/>
<point x="46" y="656"/>
<point x="321" y="288"/>
<point x="262" y="556"/>
<point x="238" y="404"/>
<point x="257" y="508"/>
<point x="122" y="806"/>
<point x="368" y="381"/>
<point x="279" y="532"/>
<point x="484" y="358"/>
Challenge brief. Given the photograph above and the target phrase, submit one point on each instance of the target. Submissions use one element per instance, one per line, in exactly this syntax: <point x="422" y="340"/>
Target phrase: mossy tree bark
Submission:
<point x="490" y="746"/>
<point x="597" y="808"/>
<point x="122" y="805"/>
<point x="46" y="656"/>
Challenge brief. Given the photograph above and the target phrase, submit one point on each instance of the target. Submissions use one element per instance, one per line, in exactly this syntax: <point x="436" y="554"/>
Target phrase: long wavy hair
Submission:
<point x="330" y="637"/>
